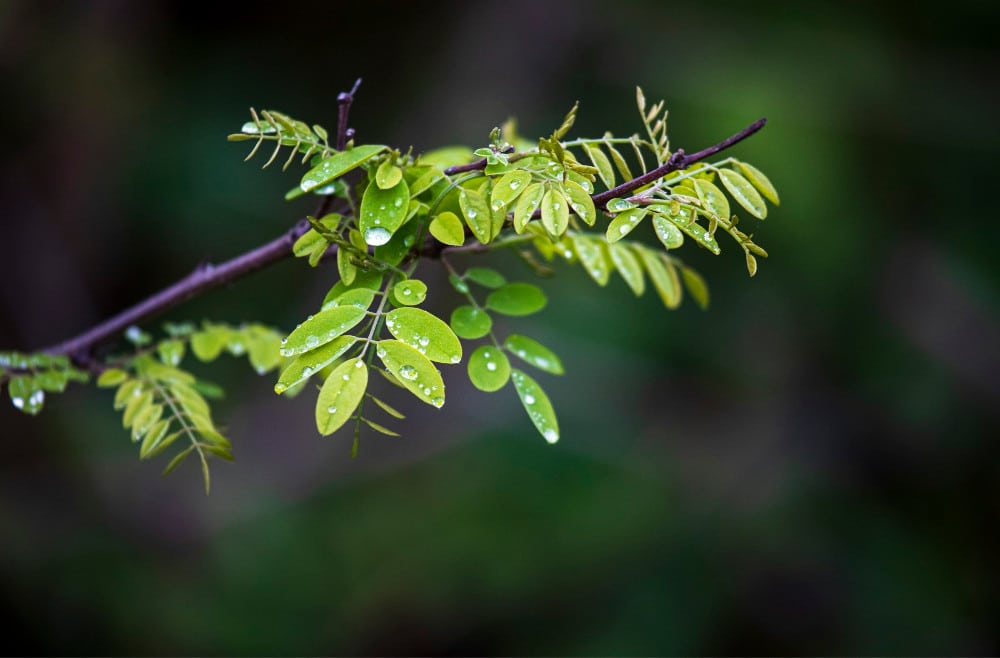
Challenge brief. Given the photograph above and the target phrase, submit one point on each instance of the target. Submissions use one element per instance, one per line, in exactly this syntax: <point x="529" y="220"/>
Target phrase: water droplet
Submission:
<point x="497" y="205"/>
<point x="380" y="352"/>
<point x="346" y="377"/>
<point x="398" y="203"/>
<point x="284" y="340"/>
<point x="332" y="410"/>
<point x="382" y="207"/>
<point x="471" y="212"/>
<point x="359" y="364"/>
<point x="551" y="435"/>
<point x="307" y="371"/>
<point x="623" y="229"/>
<point x="312" y="341"/>
<point x="491" y="366"/>
<point x="407" y="292"/>
<point x="424" y="340"/>
<point x="514" y="184"/>
<point x="377" y="236"/>
<point x="555" y="206"/>
<point x="529" y="399"/>
<point x="438" y="402"/>
<point x="18" y="402"/>
<point x="455" y="358"/>
<point x="408" y="372"/>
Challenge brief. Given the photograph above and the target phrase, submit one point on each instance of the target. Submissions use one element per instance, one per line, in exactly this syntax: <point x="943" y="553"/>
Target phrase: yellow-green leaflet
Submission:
<point x="594" y="256"/>
<point x="478" y="214"/>
<point x="321" y="328"/>
<point x="744" y="193"/>
<point x="667" y="232"/>
<point x="509" y="187"/>
<point x="447" y="228"/>
<point x="663" y="275"/>
<point x="340" y="395"/>
<point x="470" y="322"/>
<point x="527" y="204"/>
<point x="624" y="223"/>
<point x="555" y="212"/>
<point x="388" y="175"/>
<point x="760" y="181"/>
<point x="580" y="202"/>
<point x="310" y="363"/>
<point x="383" y="212"/>
<point x="337" y="165"/>
<point x="696" y="286"/>
<point x="537" y="404"/>
<point x="517" y="299"/>
<point x="413" y="370"/>
<point x="712" y="198"/>
<point x="602" y="164"/>
<point x="489" y="368"/>
<point x="534" y="353"/>
<point x="426" y="333"/>
<point x="628" y="266"/>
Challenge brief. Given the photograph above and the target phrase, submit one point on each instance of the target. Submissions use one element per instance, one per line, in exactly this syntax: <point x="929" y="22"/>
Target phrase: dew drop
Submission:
<point x="424" y="340"/>
<point x="497" y="205"/>
<point x="398" y="203"/>
<point x="332" y="410"/>
<point x="471" y="212"/>
<point x="455" y="358"/>
<point x="438" y="402"/>
<point x="307" y="371"/>
<point x="377" y="236"/>
<point x="380" y="352"/>
<point x="491" y="366"/>
<point x="359" y="364"/>
<point x="408" y="372"/>
<point x="312" y="341"/>
<point x="514" y="184"/>
<point x="346" y="377"/>
<point x="551" y="435"/>
<point x="529" y="399"/>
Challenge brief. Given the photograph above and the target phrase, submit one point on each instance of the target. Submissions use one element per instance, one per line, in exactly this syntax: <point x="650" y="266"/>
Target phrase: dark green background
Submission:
<point x="809" y="467"/>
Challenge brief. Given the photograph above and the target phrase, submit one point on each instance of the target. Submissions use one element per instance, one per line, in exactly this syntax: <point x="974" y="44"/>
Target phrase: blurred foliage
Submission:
<point x="809" y="468"/>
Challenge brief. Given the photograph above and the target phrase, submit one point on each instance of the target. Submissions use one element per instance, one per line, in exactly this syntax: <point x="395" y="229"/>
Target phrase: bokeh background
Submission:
<point x="811" y="466"/>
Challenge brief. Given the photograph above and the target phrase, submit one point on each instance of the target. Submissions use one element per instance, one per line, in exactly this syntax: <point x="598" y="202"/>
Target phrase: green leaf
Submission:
<point x="696" y="286"/>
<point x="744" y="193"/>
<point x="53" y="381"/>
<point x="703" y="237"/>
<point x="447" y="228"/>
<point x="667" y="232"/>
<point x="663" y="275"/>
<point x="594" y="256"/>
<point x="428" y="334"/>
<point x="321" y="329"/>
<point x="555" y="212"/>
<point x="470" y="322"/>
<point x="751" y="264"/>
<point x="263" y="348"/>
<point x="485" y="276"/>
<point x="345" y="267"/>
<point x="360" y="297"/>
<point x="624" y="223"/>
<point x="111" y="377"/>
<point x="602" y="163"/>
<point x="410" y="292"/>
<point x="209" y="343"/>
<point x="580" y="202"/>
<point x="386" y="407"/>
<point x="413" y="370"/>
<point x="337" y="165"/>
<point x="619" y="161"/>
<point x="510" y="186"/>
<point x="379" y="428"/>
<point x="760" y="181"/>
<point x="478" y="214"/>
<point x="341" y="393"/>
<point x="145" y="420"/>
<point x="537" y="404"/>
<point x="311" y="363"/>
<point x="489" y="368"/>
<point x="394" y="251"/>
<point x="154" y="438"/>
<point x="171" y="351"/>
<point x="25" y="394"/>
<point x="534" y="353"/>
<point x="134" y="406"/>
<point x="363" y="281"/>
<point x="388" y="175"/>
<point x="126" y="392"/>
<point x="628" y="266"/>
<point x="383" y="212"/>
<point x="176" y="461"/>
<point x="517" y="299"/>
<point x="712" y="198"/>
<point x="527" y="204"/>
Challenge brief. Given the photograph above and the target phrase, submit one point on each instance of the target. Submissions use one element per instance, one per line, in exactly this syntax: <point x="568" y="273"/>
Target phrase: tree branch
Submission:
<point x="208" y="276"/>
<point x="679" y="160"/>
<point x="204" y="278"/>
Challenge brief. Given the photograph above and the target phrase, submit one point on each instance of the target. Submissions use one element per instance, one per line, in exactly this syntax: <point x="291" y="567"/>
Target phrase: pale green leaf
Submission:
<point x="712" y="198"/>
<point x="383" y="212"/>
<point x="310" y="363"/>
<point x="489" y="368"/>
<point x="386" y="407"/>
<point x="760" y="181"/>
<point x="619" y="161"/>
<point x="428" y="334"/>
<point x="52" y="380"/>
<point x="534" y="353"/>
<point x="134" y="406"/>
<point x="527" y="204"/>
<point x="360" y="297"/>
<point x="667" y="232"/>
<point x="388" y="175"/>
<point x="485" y="276"/>
<point x="111" y="377"/>
<point x="470" y="322"/>
<point x="594" y="256"/>
<point x="663" y="275"/>
<point x="410" y="292"/>
<point x="321" y="329"/>
<point x="602" y="164"/>
<point x="624" y="223"/>
<point x="555" y="212"/>
<point x="171" y="351"/>
<point x="447" y="228"/>
<point x="25" y="395"/>
<point x="744" y="193"/>
<point x="537" y="404"/>
<point x="478" y="214"/>
<point x="580" y="202"/>
<point x="176" y="461"/>
<point x="696" y="286"/>
<point x="517" y="299"/>
<point x="510" y="186"/>
<point x="751" y="264"/>
<point x="154" y="437"/>
<point x="413" y="370"/>
<point x="345" y="267"/>
<point x="341" y="393"/>
<point x="628" y="266"/>
<point x="128" y="390"/>
<point x="145" y="420"/>
<point x="337" y="165"/>
<point x="381" y="429"/>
